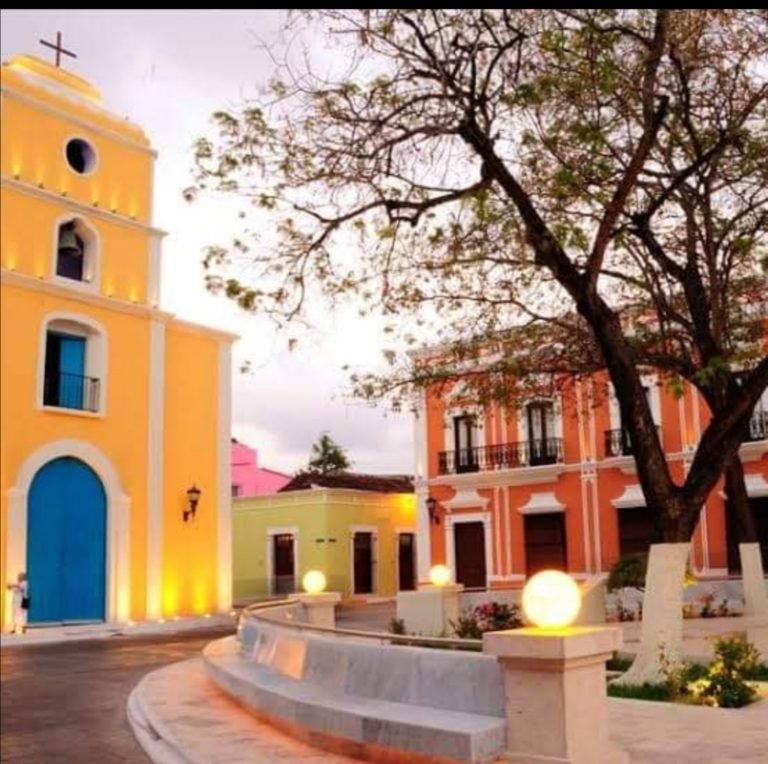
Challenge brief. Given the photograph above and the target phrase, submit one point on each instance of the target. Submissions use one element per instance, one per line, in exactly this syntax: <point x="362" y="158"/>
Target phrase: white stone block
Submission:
<point x="555" y="693"/>
<point x="319" y="609"/>
<point x="755" y="595"/>
<point x="429" y="611"/>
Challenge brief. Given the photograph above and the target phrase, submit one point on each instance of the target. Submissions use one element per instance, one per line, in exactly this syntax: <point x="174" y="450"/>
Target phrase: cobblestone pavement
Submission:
<point x="65" y="702"/>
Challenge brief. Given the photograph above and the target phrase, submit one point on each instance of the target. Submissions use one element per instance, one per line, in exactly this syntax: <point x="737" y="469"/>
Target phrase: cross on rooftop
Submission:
<point x="57" y="47"/>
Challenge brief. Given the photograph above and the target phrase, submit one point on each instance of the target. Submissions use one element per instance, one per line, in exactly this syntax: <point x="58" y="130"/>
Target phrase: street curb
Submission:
<point x="152" y="734"/>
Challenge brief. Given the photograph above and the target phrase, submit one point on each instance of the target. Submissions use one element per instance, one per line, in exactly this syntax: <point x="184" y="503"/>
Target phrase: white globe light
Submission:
<point x="440" y="575"/>
<point x="551" y="599"/>
<point x="314" y="582"/>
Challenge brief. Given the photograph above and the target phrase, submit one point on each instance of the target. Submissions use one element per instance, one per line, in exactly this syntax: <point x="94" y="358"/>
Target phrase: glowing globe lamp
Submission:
<point x="314" y="582"/>
<point x="551" y="599"/>
<point x="440" y="575"/>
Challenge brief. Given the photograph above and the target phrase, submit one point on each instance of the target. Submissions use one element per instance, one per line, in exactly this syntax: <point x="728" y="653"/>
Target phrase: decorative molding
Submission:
<point x="92" y="127"/>
<point x="464" y="499"/>
<point x="632" y="497"/>
<point x="118" y="578"/>
<point x="757" y="486"/>
<point x="78" y="207"/>
<point x="545" y="473"/>
<point x="540" y="504"/>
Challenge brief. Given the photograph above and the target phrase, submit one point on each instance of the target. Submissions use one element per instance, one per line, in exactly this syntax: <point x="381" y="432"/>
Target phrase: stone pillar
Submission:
<point x="555" y="693"/>
<point x="752" y="576"/>
<point x="429" y="611"/>
<point x="320" y="609"/>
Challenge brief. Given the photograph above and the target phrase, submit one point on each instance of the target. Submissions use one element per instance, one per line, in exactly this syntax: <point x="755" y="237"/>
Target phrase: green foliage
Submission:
<point x="726" y="681"/>
<point x="628" y="572"/>
<point x="491" y="616"/>
<point x="646" y="691"/>
<point x="327" y="456"/>
<point x="396" y="626"/>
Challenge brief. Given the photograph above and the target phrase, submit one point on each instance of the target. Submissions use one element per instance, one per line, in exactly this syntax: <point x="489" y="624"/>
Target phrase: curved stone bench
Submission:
<point x="371" y="700"/>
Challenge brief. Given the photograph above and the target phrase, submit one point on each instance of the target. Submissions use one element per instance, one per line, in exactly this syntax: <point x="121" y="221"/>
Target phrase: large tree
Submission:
<point x="487" y="169"/>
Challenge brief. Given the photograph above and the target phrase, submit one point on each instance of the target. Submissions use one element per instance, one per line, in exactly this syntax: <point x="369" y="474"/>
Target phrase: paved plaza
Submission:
<point x="66" y="702"/>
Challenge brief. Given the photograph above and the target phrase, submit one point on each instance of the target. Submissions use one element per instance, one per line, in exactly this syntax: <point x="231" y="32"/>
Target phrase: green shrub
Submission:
<point x="726" y="684"/>
<point x="646" y="691"/>
<point x="628" y="572"/>
<point x="397" y="626"/>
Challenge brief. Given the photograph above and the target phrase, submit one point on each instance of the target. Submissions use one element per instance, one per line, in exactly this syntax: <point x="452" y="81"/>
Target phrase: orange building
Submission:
<point x="505" y="492"/>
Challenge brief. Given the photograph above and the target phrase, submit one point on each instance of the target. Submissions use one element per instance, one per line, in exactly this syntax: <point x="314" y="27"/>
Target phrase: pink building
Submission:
<point x="248" y="479"/>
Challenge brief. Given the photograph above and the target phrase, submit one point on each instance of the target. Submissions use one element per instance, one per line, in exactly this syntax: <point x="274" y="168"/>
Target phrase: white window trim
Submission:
<point x="478" y="431"/>
<point x="651" y="381"/>
<point x="96" y="359"/>
<point x="92" y="265"/>
<point x="557" y="414"/>
<point x="281" y="530"/>
<point x="374" y="531"/>
<point x="118" y="540"/>
<point x="450" y="541"/>
<point x="90" y="144"/>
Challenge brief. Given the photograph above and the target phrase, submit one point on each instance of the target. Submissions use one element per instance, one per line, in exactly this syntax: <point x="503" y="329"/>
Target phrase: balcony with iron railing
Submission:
<point x="503" y="456"/>
<point x="758" y="426"/>
<point x="71" y="391"/>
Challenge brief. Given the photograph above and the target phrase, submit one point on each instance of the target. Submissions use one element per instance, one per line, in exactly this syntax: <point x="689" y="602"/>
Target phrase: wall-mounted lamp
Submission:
<point x="434" y="517"/>
<point x="193" y="496"/>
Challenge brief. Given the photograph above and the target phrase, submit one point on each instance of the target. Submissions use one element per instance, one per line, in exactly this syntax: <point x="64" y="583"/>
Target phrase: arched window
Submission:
<point x="76" y="251"/>
<point x="73" y="363"/>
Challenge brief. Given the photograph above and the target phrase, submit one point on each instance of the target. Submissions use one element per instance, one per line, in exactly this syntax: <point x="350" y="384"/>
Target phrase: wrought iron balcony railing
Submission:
<point x="71" y="391"/>
<point x="758" y="426"/>
<point x="503" y="456"/>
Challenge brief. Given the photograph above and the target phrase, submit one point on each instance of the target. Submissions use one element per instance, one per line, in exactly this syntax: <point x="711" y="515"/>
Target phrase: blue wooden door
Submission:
<point x="72" y="370"/>
<point x="66" y="543"/>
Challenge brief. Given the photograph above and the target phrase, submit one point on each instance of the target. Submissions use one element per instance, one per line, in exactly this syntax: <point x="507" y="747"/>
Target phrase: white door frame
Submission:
<point x="281" y="530"/>
<point x="450" y="540"/>
<point x="118" y="541"/>
<point x="374" y="531"/>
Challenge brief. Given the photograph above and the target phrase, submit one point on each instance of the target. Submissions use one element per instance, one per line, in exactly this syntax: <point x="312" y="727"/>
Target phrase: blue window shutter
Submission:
<point x="72" y="371"/>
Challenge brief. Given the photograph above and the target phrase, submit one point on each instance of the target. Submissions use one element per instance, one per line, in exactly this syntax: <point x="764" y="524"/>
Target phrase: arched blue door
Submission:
<point x="66" y="543"/>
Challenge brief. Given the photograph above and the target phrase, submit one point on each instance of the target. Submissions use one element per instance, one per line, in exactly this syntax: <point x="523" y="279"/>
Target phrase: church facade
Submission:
<point x="115" y="441"/>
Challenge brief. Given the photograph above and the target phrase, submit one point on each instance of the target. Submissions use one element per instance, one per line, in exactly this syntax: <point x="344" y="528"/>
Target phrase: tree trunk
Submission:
<point x="661" y="634"/>
<point x="738" y="503"/>
<point x="752" y="575"/>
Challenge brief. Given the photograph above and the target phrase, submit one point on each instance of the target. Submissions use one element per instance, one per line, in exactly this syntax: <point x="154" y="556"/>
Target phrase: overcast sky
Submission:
<point x="167" y="71"/>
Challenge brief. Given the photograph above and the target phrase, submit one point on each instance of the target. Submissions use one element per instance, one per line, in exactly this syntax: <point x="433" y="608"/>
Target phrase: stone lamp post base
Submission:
<point x="555" y="693"/>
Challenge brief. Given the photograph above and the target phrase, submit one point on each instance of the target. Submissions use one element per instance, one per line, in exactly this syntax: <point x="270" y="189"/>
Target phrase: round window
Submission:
<point x="81" y="156"/>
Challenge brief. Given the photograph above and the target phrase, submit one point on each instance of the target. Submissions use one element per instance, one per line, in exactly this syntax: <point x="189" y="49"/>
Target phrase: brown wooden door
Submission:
<point x="469" y="547"/>
<point x="283" y="558"/>
<point x="363" y="562"/>
<point x="406" y="562"/>
<point x="545" y="542"/>
<point x="638" y="529"/>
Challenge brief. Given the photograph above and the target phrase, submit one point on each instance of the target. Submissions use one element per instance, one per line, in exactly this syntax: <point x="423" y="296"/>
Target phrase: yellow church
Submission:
<point x="115" y="415"/>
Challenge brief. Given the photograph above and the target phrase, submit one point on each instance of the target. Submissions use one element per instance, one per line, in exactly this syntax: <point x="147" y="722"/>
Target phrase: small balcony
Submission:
<point x="617" y="443"/>
<point x="71" y="391"/>
<point x="503" y="456"/>
<point x="758" y="427"/>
